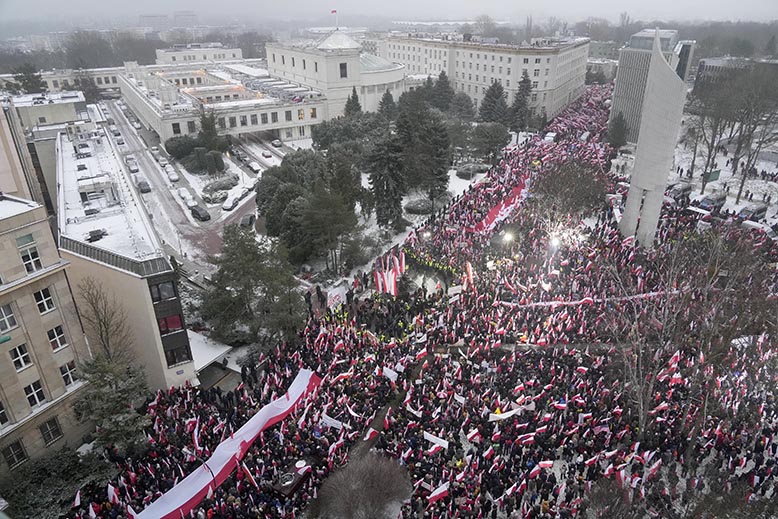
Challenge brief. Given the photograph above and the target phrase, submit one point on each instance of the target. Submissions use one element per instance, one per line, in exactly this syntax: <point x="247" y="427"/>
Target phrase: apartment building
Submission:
<point x="40" y="337"/>
<point x="106" y="234"/>
<point x="17" y="174"/>
<point x="557" y="67"/>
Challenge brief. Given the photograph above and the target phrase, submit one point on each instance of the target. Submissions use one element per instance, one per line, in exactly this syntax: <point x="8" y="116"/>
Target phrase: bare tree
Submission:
<point x="367" y="488"/>
<point x="105" y="321"/>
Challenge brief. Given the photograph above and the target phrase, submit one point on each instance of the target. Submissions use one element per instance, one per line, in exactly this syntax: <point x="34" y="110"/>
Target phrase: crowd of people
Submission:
<point x="511" y="402"/>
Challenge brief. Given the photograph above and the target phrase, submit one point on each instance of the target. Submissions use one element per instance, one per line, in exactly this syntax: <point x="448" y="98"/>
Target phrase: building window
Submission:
<point x="316" y="66"/>
<point x="283" y="60"/>
<point x="34" y="393"/>
<point x="263" y="118"/>
<point x="14" y="454"/>
<point x="534" y="84"/>
<point x="170" y="324"/>
<point x="536" y="72"/>
<point x="199" y="80"/>
<point x="300" y="114"/>
<point x="303" y="64"/>
<point x="233" y="122"/>
<point x="313" y="113"/>
<point x="7" y="319"/>
<point x="51" y="431"/>
<point x="301" y="131"/>
<point x="507" y="83"/>
<point x="274" y="57"/>
<point x="68" y="372"/>
<point x="343" y="70"/>
<point x="29" y="253"/>
<point x="546" y="72"/>
<point x="20" y="357"/>
<point x="163" y="291"/>
<point x="100" y="80"/>
<point x="534" y="96"/>
<point x="244" y="121"/>
<point x="274" y="117"/>
<point x="288" y="115"/>
<point x="191" y="127"/>
<point x="254" y="119"/>
<point x="3" y="416"/>
<point x="57" y="338"/>
<point x="55" y="83"/>
<point x="44" y="300"/>
<point x="178" y="355"/>
<point x="537" y="61"/>
<point x="292" y="61"/>
<point x="113" y="79"/>
<point x="176" y="129"/>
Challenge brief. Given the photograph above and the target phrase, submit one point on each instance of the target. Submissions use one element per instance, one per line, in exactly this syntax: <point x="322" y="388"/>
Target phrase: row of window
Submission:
<point x="99" y="80"/>
<point x="435" y="53"/>
<point x="15" y="453"/>
<point x="193" y="57"/>
<point x="304" y="64"/>
<point x="250" y="120"/>
<point x="188" y="81"/>
<point x="34" y="392"/>
<point x="43" y="299"/>
<point x="21" y="357"/>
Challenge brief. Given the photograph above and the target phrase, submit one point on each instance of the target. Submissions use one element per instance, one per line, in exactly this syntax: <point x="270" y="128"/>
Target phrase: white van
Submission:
<point x="255" y="167"/>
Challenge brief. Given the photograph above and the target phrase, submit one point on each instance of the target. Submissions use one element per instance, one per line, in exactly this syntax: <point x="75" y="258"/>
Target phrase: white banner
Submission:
<point x="187" y="494"/>
<point x="390" y="374"/>
<point x="434" y="439"/>
<point x="328" y="421"/>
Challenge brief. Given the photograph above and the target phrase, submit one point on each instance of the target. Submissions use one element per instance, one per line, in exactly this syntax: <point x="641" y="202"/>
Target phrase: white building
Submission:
<point x="557" y="68"/>
<point x="106" y="234"/>
<point x="662" y="110"/>
<point x="196" y="52"/>
<point x="632" y="74"/>
<point x="335" y="66"/>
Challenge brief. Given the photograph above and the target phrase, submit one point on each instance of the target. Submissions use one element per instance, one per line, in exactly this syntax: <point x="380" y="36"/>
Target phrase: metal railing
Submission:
<point x="144" y="268"/>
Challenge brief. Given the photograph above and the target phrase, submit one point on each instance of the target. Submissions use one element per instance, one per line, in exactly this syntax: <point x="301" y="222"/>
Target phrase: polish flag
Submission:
<point x="92" y="514"/>
<point x="547" y="464"/>
<point x="113" y="496"/>
<point x="334" y="11"/>
<point x="489" y="452"/>
<point x="582" y="370"/>
<point x="439" y="493"/>
<point x="511" y="489"/>
<point x="131" y="513"/>
<point x="653" y="469"/>
<point x="560" y="407"/>
<point x="435" y="449"/>
<point x="209" y="495"/>
<point x="591" y="461"/>
<point x="460" y="477"/>
<point x="196" y="436"/>
<point x="249" y="475"/>
<point x="535" y="472"/>
<point x="541" y="430"/>
<point x="473" y="435"/>
<point x="522" y="486"/>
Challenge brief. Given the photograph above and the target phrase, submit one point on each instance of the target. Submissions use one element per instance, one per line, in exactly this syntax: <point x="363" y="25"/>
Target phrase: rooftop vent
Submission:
<point x="96" y="235"/>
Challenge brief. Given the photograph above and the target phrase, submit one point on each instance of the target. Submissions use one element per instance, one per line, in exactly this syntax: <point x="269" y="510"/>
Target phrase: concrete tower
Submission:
<point x="660" y="121"/>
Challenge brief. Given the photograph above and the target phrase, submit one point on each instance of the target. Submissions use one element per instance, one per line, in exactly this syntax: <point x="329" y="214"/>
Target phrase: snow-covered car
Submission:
<point x="255" y="167"/>
<point x="276" y="143"/>
<point x="266" y="154"/>
<point x="244" y="192"/>
<point x="183" y="193"/>
<point x="171" y="173"/>
<point x="230" y="203"/>
<point x="163" y="161"/>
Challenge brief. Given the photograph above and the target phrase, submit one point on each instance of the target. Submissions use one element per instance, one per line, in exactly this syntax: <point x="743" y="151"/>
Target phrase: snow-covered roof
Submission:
<point x="12" y="206"/>
<point x="113" y="207"/>
<point x="371" y="63"/>
<point x="338" y="40"/>
<point x="249" y="71"/>
<point x="69" y="96"/>
<point x="205" y="351"/>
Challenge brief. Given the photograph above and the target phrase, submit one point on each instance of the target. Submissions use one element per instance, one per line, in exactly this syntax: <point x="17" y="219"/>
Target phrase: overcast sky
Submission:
<point x="515" y="10"/>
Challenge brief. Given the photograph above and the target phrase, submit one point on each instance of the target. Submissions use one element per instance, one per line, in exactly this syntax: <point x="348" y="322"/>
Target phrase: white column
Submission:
<point x="629" y="220"/>
<point x="649" y="217"/>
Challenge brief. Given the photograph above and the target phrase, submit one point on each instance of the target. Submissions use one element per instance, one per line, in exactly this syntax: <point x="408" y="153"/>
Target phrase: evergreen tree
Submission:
<point x="442" y="93"/>
<point x="617" y="133"/>
<point x="328" y="220"/>
<point x="427" y="91"/>
<point x="462" y="107"/>
<point x="209" y="135"/>
<point x="433" y="158"/>
<point x="27" y="80"/>
<point x="387" y="107"/>
<point x="493" y="108"/>
<point x="489" y="139"/>
<point x="86" y="83"/>
<point x="352" y="104"/>
<point x="520" y="107"/>
<point x="387" y="180"/>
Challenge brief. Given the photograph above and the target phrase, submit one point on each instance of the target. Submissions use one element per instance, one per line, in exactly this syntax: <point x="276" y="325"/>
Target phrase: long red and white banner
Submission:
<point x="584" y="301"/>
<point x="187" y="494"/>
<point x="500" y="212"/>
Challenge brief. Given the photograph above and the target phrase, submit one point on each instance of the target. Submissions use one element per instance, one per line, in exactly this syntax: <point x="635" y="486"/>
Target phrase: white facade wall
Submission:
<point x="175" y="56"/>
<point x="558" y="73"/>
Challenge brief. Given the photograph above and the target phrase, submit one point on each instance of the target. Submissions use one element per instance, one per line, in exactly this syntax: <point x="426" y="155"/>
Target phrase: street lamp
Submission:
<point x="555" y="241"/>
<point x="189" y="452"/>
<point x="426" y="235"/>
<point x="507" y="238"/>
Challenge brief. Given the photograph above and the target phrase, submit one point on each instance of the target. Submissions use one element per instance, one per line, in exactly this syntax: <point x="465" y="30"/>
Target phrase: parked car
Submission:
<point x="248" y="220"/>
<point x="230" y="203"/>
<point x="132" y="165"/>
<point x="144" y="187"/>
<point x="754" y="212"/>
<point x="679" y="190"/>
<point x="120" y="141"/>
<point x="713" y="202"/>
<point x="200" y="213"/>
<point x="163" y="161"/>
<point x="172" y="175"/>
<point x="255" y="167"/>
<point x="276" y="143"/>
<point x="244" y="192"/>
<point x="266" y="154"/>
<point x="136" y="125"/>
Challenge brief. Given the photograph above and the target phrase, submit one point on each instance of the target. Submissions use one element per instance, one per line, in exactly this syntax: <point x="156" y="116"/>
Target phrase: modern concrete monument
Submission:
<point x="660" y="122"/>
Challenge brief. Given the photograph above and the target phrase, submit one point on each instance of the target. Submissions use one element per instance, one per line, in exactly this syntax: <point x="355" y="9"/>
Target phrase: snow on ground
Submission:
<point x="234" y="356"/>
<point x="302" y="144"/>
<point x="683" y="158"/>
<point x="257" y="150"/>
<point x="206" y="351"/>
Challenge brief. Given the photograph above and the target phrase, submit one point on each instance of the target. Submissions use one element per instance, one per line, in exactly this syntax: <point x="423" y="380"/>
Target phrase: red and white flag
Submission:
<point x="371" y="433"/>
<point x="439" y="493"/>
<point x="131" y="513"/>
<point x="546" y="464"/>
<point x="249" y="475"/>
<point x="113" y="495"/>
<point x="77" y="500"/>
<point x="334" y="11"/>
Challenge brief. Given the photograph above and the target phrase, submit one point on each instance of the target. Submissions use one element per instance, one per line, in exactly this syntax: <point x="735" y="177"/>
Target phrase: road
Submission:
<point x="191" y="241"/>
